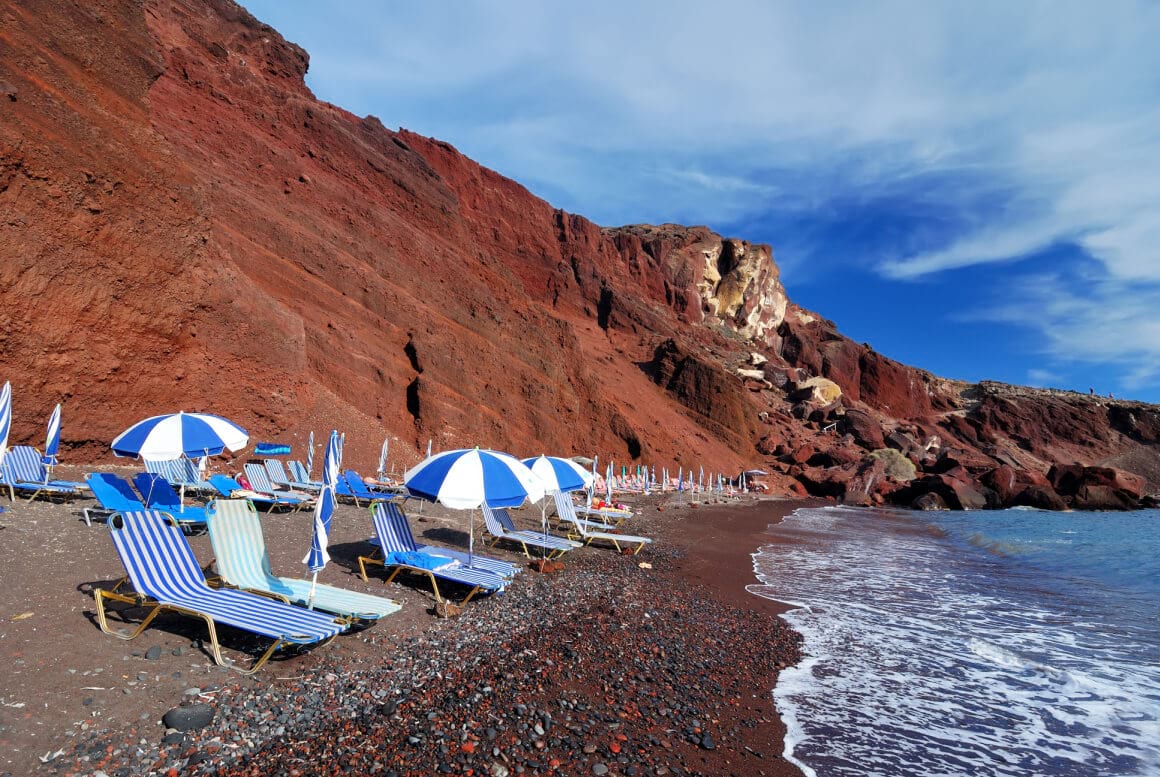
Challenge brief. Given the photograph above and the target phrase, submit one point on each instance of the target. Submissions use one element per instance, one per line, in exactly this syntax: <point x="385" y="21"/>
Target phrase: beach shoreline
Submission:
<point x="699" y="700"/>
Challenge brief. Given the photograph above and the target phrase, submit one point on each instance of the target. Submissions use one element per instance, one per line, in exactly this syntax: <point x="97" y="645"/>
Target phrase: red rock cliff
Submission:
<point x="183" y="225"/>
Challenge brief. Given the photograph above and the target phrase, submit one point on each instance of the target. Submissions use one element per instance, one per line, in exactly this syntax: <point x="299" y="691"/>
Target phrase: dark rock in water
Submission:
<point x="1041" y="497"/>
<point x="929" y="501"/>
<point x="153" y="653"/>
<point x="189" y="718"/>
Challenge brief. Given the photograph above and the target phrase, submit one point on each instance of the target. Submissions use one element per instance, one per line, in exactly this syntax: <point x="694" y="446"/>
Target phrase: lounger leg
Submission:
<point x="362" y="565"/>
<point x="467" y="598"/>
<point x="435" y="586"/>
<point x="524" y="545"/>
<point x="102" y="620"/>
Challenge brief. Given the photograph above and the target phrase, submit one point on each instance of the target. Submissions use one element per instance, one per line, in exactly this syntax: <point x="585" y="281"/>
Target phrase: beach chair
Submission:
<point x="279" y="478"/>
<point x="566" y="510"/>
<point x="475" y="560"/>
<point x="165" y="576"/>
<point x="500" y="526"/>
<point x="351" y="485"/>
<point x="299" y="474"/>
<point x="231" y="489"/>
<point x="179" y="473"/>
<point x="114" y="495"/>
<point x="398" y="549"/>
<point x="242" y="561"/>
<point x="260" y="484"/>
<point x="22" y="470"/>
<point x="159" y="495"/>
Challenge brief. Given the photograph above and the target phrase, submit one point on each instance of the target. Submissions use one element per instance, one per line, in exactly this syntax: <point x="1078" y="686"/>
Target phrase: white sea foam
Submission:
<point x="925" y="660"/>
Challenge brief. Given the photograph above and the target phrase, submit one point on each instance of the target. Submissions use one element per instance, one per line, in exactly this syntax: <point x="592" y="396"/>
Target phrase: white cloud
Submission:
<point x="1048" y="111"/>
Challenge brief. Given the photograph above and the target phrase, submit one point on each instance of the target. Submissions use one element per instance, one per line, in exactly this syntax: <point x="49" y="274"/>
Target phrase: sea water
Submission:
<point x="1013" y="642"/>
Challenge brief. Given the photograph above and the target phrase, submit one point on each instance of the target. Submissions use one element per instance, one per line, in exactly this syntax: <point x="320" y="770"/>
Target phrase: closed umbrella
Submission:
<point x="310" y="455"/>
<point x="52" y="439"/>
<point x="318" y="556"/>
<point x="5" y="417"/>
<point x="464" y="479"/>
<point x="384" y="454"/>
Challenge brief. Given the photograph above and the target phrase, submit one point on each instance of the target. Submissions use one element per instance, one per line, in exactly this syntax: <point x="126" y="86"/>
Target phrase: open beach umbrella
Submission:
<point x="556" y="474"/>
<point x="317" y="558"/>
<point x="5" y="417"/>
<point x="310" y="454"/>
<point x="52" y="439"/>
<point x="466" y="478"/>
<point x="165" y="437"/>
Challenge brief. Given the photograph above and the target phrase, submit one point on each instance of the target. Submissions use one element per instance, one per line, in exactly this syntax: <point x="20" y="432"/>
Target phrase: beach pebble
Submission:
<point x="153" y="653"/>
<point x="599" y="769"/>
<point x="189" y="718"/>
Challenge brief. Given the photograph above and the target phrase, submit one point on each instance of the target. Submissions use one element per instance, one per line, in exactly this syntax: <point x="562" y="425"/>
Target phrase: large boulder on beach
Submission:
<point x="189" y="718"/>
<point x="865" y="429"/>
<point x="816" y="391"/>
<point x="1042" y="497"/>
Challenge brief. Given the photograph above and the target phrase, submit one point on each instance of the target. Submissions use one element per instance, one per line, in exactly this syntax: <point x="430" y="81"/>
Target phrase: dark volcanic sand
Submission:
<point x="604" y="667"/>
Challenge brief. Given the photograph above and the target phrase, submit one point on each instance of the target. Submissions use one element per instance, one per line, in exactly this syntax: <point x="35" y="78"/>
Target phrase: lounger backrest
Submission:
<point x="276" y="472"/>
<point x="23" y="463"/>
<point x="392" y="528"/>
<point x="259" y="479"/>
<point x="299" y="472"/>
<point x="156" y="555"/>
<point x="166" y="468"/>
<point x="156" y="491"/>
<point x="190" y="472"/>
<point x="491" y="520"/>
<point x="235" y="531"/>
<point x="224" y="484"/>
<point x="357" y="485"/>
<point x="566" y="510"/>
<point x="112" y="492"/>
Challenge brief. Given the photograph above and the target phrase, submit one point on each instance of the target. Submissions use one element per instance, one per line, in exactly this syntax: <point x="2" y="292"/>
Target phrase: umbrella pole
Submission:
<point x="471" y="540"/>
<point x="313" y="585"/>
<point x="544" y="525"/>
<point x="181" y="504"/>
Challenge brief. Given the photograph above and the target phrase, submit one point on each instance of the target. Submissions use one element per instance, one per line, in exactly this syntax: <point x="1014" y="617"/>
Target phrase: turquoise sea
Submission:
<point x="1013" y="642"/>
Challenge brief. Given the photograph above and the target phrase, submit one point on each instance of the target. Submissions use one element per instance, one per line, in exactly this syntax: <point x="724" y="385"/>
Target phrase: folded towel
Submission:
<point x="422" y="560"/>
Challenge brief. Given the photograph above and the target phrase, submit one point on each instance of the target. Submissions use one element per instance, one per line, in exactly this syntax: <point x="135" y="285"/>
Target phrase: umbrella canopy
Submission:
<point x="466" y="478"/>
<point x="324" y="508"/>
<point x="52" y="440"/>
<point x="180" y="434"/>
<point x="5" y="417"/>
<point x="558" y="474"/>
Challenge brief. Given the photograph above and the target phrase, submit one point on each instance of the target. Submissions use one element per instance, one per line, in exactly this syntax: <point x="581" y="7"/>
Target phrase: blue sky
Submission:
<point x="971" y="188"/>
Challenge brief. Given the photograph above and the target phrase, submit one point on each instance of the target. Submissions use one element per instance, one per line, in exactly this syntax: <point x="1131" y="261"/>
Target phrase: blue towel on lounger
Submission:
<point x="413" y="558"/>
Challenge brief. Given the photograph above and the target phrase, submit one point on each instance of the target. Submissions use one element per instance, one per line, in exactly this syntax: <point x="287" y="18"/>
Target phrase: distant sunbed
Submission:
<point x="475" y="560"/>
<point x="22" y="470"/>
<point x="232" y="489"/>
<point x="580" y="530"/>
<point x="500" y="526"/>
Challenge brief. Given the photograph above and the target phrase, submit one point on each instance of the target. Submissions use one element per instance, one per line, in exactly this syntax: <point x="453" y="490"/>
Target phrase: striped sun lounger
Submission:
<point x="159" y="495"/>
<point x="22" y="470"/>
<point x="242" y="561"/>
<point x="500" y="526"/>
<point x="567" y="512"/>
<point x="398" y="549"/>
<point x="280" y="479"/>
<point x="165" y="576"/>
<point x="228" y="487"/>
<point x="475" y="560"/>
<point x="260" y="484"/>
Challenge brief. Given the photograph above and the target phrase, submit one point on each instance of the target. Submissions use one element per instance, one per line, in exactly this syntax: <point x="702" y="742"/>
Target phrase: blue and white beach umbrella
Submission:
<point x="310" y="454"/>
<point x="318" y="556"/>
<point x="164" y="437"/>
<point x="52" y="440"/>
<point x="5" y="417"/>
<point x="557" y="474"/>
<point x="464" y="479"/>
<point x="384" y="454"/>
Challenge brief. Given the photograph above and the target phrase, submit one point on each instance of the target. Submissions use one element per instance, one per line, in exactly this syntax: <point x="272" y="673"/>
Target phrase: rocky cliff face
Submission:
<point x="184" y="226"/>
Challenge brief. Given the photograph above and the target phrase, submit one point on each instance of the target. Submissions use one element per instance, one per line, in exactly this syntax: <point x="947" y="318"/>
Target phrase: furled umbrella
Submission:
<point x="310" y="455"/>
<point x="51" y="442"/>
<point x="5" y="417"/>
<point x="318" y="556"/>
<point x="464" y="479"/>
<point x="556" y="474"/>
<point x="384" y="455"/>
